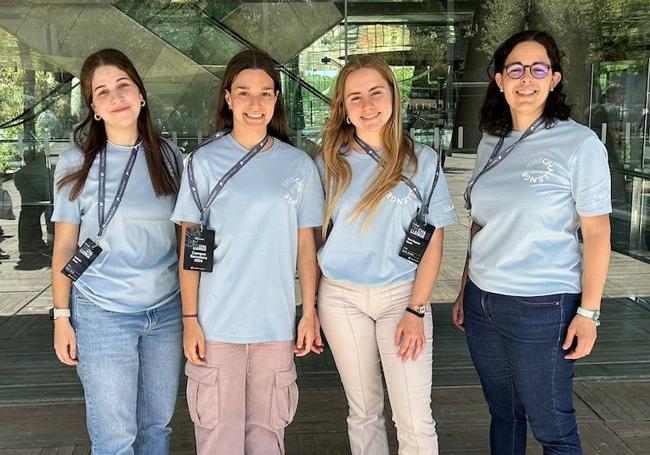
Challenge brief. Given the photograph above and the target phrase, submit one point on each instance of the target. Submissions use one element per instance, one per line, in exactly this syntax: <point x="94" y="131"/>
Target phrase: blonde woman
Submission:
<point x="386" y="205"/>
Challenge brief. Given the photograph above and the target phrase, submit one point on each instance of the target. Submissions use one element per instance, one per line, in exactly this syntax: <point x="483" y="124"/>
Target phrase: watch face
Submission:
<point x="421" y="309"/>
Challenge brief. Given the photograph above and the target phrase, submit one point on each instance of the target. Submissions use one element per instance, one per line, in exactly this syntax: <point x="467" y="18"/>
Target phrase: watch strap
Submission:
<point x="414" y="311"/>
<point x="56" y="313"/>
<point x="589" y="314"/>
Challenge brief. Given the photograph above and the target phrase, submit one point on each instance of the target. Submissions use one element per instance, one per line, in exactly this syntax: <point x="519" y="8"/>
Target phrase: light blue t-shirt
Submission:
<point x="138" y="267"/>
<point x="529" y="206"/>
<point x="370" y="257"/>
<point x="249" y="297"/>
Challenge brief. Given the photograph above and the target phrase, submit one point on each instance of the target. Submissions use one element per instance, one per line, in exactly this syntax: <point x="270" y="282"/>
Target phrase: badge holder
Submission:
<point x="417" y="239"/>
<point x="199" y="249"/>
<point x="79" y="263"/>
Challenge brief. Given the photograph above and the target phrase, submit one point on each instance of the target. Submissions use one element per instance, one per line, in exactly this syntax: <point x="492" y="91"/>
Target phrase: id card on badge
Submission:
<point x="417" y="239"/>
<point x="79" y="263"/>
<point x="199" y="249"/>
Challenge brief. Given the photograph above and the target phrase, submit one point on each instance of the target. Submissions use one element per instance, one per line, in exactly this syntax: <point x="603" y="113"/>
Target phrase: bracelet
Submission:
<point x="194" y="315"/>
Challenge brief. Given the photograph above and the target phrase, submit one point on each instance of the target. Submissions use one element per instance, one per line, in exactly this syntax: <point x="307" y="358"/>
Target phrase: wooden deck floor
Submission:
<point x="41" y="407"/>
<point x="41" y="401"/>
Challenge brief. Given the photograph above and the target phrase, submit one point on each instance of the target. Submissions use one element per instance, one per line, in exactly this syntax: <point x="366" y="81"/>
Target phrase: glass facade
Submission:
<point x="439" y="51"/>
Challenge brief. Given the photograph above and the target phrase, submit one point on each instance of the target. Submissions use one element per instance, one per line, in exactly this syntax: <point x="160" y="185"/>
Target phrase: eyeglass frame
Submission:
<point x="549" y="68"/>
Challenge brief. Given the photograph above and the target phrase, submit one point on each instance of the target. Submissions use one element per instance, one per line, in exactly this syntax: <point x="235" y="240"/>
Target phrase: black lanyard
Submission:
<point x="101" y="189"/>
<point x="424" y="210"/>
<point x="497" y="156"/>
<point x="223" y="180"/>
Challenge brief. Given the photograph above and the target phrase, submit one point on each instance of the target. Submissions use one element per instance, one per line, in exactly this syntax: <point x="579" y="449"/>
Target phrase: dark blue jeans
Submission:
<point x="516" y="347"/>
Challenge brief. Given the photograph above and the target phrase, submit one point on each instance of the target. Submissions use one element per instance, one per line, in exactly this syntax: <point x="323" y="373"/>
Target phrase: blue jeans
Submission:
<point x="129" y="366"/>
<point x="516" y="347"/>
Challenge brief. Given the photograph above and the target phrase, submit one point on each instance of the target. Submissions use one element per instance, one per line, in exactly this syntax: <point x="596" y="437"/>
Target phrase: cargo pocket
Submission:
<point x="284" y="401"/>
<point x="203" y="394"/>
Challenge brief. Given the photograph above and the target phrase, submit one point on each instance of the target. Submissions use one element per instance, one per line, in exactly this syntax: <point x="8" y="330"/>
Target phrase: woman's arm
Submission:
<point x="457" y="316"/>
<point x="428" y="269"/>
<point x="308" y="275"/>
<point x="596" y="241"/>
<point x="193" y="339"/>
<point x="65" y="246"/>
<point x="410" y="330"/>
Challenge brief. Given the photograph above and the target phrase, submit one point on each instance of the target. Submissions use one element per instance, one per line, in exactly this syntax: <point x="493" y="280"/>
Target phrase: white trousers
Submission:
<point x="359" y="323"/>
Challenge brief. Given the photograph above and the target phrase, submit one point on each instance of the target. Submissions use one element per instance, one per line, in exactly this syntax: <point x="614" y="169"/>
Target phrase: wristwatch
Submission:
<point x="418" y="310"/>
<point x="56" y="313"/>
<point x="594" y="315"/>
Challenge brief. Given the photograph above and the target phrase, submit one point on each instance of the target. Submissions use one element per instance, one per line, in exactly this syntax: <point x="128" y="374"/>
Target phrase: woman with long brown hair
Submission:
<point x="117" y="312"/>
<point x="247" y="205"/>
<point x="386" y="205"/>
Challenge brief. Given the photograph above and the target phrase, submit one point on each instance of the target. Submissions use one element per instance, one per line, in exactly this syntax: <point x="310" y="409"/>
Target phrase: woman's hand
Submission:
<point x="306" y="334"/>
<point x="457" y="315"/>
<point x="585" y="330"/>
<point x="193" y="341"/>
<point x="318" y="347"/>
<point x="410" y="336"/>
<point x="65" y="341"/>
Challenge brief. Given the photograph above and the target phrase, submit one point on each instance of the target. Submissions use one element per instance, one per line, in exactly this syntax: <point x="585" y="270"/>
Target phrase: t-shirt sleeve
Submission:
<point x="590" y="179"/>
<point x="442" y="210"/>
<point x="483" y="153"/>
<point x="320" y="165"/>
<point x="186" y="209"/>
<point x="65" y="210"/>
<point x="311" y="204"/>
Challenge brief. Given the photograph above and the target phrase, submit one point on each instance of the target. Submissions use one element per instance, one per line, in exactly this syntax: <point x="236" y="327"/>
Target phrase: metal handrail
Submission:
<point x="243" y="41"/>
<point x="30" y="113"/>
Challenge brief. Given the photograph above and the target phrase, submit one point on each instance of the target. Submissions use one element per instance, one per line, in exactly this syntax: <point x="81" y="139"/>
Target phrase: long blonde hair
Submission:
<point x="398" y="152"/>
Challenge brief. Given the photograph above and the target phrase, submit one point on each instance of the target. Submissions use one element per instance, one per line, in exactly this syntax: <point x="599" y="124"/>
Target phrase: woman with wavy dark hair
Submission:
<point x="117" y="311"/>
<point x="248" y="204"/>
<point x="530" y="299"/>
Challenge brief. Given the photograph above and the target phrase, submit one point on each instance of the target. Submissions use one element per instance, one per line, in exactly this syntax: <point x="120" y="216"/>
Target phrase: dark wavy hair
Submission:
<point x="90" y="134"/>
<point x="495" y="112"/>
<point x="256" y="60"/>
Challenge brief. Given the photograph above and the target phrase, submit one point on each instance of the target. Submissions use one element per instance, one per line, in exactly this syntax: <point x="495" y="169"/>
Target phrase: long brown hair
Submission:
<point x="398" y="155"/>
<point x="90" y="135"/>
<point x="256" y="60"/>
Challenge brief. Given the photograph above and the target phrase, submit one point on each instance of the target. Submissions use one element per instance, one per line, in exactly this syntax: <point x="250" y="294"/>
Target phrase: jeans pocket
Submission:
<point x="540" y="300"/>
<point x="284" y="400"/>
<point x="203" y="394"/>
<point x="81" y="299"/>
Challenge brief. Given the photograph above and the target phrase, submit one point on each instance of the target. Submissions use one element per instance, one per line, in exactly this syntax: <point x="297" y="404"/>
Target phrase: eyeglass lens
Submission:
<point x="537" y="70"/>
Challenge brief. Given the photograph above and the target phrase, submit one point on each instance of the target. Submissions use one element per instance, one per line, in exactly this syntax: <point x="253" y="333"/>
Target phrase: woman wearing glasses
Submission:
<point x="530" y="300"/>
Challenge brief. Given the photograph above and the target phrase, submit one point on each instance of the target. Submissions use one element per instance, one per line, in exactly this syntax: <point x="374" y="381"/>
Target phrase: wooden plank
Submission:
<point x="12" y="302"/>
<point x="635" y="435"/>
<point x="617" y="401"/>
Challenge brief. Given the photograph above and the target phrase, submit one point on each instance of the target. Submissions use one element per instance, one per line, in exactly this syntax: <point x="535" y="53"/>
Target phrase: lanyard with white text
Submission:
<point x="424" y="211"/>
<point x="498" y="156"/>
<point x="101" y="189"/>
<point x="223" y="180"/>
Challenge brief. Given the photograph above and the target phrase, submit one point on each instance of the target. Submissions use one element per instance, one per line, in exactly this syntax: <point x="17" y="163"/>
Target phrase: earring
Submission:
<point x="551" y="89"/>
<point x="97" y="117"/>
<point x="501" y="90"/>
<point x="142" y="103"/>
<point x="347" y="120"/>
